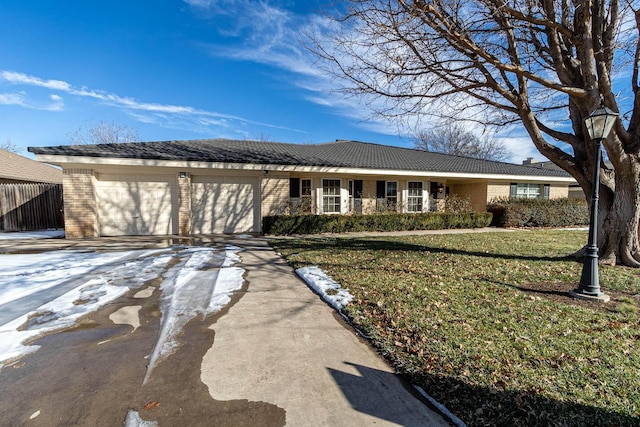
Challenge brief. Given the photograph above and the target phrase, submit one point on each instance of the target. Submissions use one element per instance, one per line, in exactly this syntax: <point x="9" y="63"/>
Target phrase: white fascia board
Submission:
<point x="86" y="162"/>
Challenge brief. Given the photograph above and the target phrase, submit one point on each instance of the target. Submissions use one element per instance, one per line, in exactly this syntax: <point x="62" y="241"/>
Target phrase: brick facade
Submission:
<point x="498" y="191"/>
<point x="184" y="204"/>
<point x="274" y="193"/>
<point x="558" y="192"/>
<point x="80" y="204"/>
<point x="476" y="192"/>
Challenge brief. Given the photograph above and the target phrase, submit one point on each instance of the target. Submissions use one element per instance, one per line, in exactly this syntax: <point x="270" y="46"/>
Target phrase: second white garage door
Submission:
<point x="223" y="204"/>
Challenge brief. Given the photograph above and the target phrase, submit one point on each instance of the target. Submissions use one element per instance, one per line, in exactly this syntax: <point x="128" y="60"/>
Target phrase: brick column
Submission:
<point x="184" y="205"/>
<point x="80" y="205"/>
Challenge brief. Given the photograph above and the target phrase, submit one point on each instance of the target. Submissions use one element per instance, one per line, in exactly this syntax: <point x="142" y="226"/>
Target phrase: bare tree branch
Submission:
<point x="453" y="138"/>
<point x="103" y="133"/>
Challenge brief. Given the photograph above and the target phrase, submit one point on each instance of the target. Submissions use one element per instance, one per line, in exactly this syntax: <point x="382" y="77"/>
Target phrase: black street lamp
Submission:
<point x="598" y="124"/>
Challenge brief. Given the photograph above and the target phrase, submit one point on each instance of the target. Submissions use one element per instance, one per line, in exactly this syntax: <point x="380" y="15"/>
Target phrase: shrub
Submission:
<point x="538" y="212"/>
<point x="387" y="221"/>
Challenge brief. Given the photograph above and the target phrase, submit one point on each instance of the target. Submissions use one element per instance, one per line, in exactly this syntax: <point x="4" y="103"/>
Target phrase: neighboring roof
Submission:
<point x="346" y="154"/>
<point x="548" y="164"/>
<point x="16" y="167"/>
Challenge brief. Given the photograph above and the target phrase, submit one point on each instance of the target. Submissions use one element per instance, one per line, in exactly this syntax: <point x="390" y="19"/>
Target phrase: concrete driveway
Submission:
<point x="275" y="355"/>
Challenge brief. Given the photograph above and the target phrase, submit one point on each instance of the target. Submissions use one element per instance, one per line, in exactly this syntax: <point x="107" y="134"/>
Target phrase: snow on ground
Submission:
<point x="191" y="291"/>
<point x="134" y="420"/>
<point x="39" y="234"/>
<point x="25" y="274"/>
<point x="329" y="290"/>
<point x="76" y="283"/>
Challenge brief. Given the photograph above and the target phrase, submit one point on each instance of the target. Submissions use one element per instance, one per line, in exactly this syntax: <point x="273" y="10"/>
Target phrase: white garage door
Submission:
<point x="135" y="205"/>
<point x="223" y="204"/>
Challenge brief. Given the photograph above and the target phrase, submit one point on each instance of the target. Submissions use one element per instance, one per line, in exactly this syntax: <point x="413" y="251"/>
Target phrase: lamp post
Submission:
<point x="598" y="124"/>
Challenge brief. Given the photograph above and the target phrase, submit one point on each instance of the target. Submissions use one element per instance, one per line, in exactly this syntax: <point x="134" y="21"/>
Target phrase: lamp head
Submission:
<point x="600" y="122"/>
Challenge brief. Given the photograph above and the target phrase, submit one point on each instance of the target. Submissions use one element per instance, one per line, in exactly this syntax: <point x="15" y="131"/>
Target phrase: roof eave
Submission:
<point x="81" y="162"/>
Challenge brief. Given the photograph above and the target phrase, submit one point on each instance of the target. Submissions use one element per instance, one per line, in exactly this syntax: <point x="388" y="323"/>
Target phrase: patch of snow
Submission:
<point x="25" y="274"/>
<point x="199" y="284"/>
<point x="229" y="280"/>
<point x="39" y="234"/>
<point x="134" y="420"/>
<point x="231" y="255"/>
<point x="327" y="288"/>
<point x="189" y="291"/>
<point x="56" y="278"/>
<point x="58" y="314"/>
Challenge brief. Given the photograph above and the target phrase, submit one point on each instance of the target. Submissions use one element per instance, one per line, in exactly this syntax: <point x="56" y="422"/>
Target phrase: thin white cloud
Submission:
<point x="23" y="79"/>
<point x="271" y="35"/>
<point x="168" y="115"/>
<point x="12" y="99"/>
<point x="20" y="99"/>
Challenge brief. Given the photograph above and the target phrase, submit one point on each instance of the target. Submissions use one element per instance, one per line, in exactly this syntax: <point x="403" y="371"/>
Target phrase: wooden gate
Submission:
<point x="31" y="206"/>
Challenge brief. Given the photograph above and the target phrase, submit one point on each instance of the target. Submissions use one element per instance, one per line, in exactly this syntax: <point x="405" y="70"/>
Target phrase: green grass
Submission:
<point x="474" y="320"/>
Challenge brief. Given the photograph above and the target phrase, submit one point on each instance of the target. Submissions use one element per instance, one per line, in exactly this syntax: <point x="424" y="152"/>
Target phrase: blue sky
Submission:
<point x="173" y="69"/>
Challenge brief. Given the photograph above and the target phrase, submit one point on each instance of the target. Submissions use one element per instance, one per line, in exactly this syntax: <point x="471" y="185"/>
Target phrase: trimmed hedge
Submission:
<point x="539" y="212"/>
<point x="314" y="224"/>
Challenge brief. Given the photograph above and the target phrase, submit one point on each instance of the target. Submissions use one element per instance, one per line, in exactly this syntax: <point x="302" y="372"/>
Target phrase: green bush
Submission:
<point x="314" y="224"/>
<point x="538" y="212"/>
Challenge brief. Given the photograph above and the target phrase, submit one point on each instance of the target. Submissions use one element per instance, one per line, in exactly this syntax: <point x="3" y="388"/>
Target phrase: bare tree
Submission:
<point x="544" y="64"/>
<point x="103" y="133"/>
<point x="453" y="138"/>
<point x="9" y="146"/>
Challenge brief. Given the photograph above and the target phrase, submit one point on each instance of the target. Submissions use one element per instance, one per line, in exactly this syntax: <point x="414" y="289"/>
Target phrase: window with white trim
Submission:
<point x="529" y="191"/>
<point x="331" y="195"/>
<point x="414" y="196"/>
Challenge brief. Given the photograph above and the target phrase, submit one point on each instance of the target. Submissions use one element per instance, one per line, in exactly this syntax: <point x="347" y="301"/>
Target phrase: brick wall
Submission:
<point x="184" y="205"/>
<point x="558" y="191"/>
<point x="477" y="194"/>
<point x="274" y="189"/>
<point x="500" y="190"/>
<point x="80" y="210"/>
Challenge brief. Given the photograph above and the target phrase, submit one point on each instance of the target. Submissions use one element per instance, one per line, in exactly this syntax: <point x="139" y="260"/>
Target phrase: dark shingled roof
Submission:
<point x="347" y="154"/>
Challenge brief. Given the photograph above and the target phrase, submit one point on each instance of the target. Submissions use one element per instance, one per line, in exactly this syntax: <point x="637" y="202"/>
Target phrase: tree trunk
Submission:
<point x="620" y="211"/>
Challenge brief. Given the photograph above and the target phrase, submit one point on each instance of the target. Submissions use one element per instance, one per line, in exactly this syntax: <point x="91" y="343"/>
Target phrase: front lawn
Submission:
<point x="483" y="322"/>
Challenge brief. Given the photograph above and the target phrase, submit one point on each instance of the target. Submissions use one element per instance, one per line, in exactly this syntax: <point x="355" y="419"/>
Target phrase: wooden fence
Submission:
<point x="30" y="206"/>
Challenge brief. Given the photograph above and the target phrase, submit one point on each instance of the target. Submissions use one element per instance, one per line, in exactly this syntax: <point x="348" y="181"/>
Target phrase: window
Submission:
<point x="305" y="188"/>
<point x="414" y="197"/>
<point x="386" y="196"/>
<point x="529" y="191"/>
<point x="300" y="194"/>
<point x="392" y="195"/>
<point x="331" y="195"/>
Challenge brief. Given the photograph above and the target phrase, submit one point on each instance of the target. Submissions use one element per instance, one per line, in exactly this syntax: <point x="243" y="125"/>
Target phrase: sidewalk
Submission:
<point x="282" y="345"/>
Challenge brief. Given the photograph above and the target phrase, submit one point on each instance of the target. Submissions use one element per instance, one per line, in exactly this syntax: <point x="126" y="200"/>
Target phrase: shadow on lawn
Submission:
<point x="394" y="245"/>
<point x="483" y="406"/>
<point x="474" y="405"/>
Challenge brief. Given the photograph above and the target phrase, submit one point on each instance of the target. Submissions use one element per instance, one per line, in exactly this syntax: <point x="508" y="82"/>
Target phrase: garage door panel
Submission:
<point x="136" y="205"/>
<point x="222" y="205"/>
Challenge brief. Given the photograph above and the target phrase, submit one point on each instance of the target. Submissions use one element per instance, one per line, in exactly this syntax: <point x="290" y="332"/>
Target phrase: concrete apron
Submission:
<point x="282" y="345"/>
